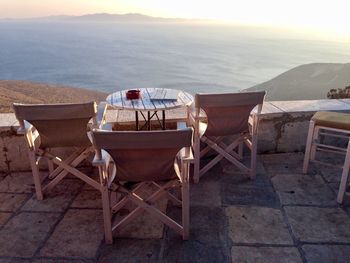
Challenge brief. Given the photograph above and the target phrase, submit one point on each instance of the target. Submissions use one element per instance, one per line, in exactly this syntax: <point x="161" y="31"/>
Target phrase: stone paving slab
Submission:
<point x="17" y="183"/>
<point x="335" y="187"/>
<point x="55" y="260"/>
<point x="145" y="225"/>
<point x="206" y="185"/>
<point x="208" y="237"/>
<point x="277" y="158"/>
<point x="56" y="200"/>
<point x="208" y="225"/>
<point x="300" y="189"/>
<point x="283" y="168"/>
<point x="265" y="255"/>
<point x="241" y="190"/>
<point x="234" y="195"/>
<point x="81" y="231"/>
<point x="95" y="176"/>
<point x="25" y="233"/>
<point x="206" y="243"/>
<point x="243" y="180"/>
<point x="192" y="251"/>
<point x="283" y="163"/>
<point x="14" y="260"/>
<point x="88" y="199"/>
<point x="249" y="224"/>
<point x="327" y="253"/>
<point x="131" y="250"/>
<point x="4" y="216"/>
<point x="313" y="224"/>
<point x="330" y="174"/>
<point x="11" y="202"/>
<point x="232" y="217"/>
<point x="229" y="168"/>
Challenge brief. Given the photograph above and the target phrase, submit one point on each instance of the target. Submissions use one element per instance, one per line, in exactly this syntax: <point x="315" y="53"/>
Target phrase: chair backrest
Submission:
<point x="58" y="125"/>
<point x="228" y="113"/>
<point x="143" y="155"/>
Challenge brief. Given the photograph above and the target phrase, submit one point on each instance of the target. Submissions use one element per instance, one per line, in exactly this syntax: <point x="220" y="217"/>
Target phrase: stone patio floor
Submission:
<point x="282" y="216"/>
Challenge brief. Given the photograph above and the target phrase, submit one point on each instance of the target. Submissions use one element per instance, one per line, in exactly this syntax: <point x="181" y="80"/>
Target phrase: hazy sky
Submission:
<point x="322" y="15"/>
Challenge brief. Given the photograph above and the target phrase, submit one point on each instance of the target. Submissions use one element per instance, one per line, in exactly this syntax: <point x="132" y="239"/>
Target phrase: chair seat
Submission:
<point x="334" y="120"/>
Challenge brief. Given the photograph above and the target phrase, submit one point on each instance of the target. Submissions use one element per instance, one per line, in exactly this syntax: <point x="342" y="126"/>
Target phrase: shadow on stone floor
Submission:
<point x="282" y="216"/>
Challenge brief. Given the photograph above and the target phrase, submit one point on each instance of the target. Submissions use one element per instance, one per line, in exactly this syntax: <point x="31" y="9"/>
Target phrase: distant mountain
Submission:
<point x="105" y="17"/>
<point x="309" y="81"/>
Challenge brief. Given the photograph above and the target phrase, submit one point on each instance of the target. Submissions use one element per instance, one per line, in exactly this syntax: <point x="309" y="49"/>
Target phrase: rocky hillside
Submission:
<point x="31" y="92"/>
<point x="309" y="81"/>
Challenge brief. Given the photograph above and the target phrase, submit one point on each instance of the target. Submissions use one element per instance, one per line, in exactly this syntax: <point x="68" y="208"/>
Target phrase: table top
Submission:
<point x="119" y="101"/>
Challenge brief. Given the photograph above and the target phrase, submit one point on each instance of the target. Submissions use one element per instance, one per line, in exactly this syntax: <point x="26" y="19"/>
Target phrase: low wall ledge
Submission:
<point x="271" y="109"/>
<point x="283" y="128"/>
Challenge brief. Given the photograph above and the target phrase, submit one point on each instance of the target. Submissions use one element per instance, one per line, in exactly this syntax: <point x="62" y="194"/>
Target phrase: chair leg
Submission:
<point x="36" y="176"/>
<point x="107" y="218"/>
<point x="253" y="157"/>
<point x="240" y="150"/>
<point x="309" y="142"/>
<point x="185" y="210"/>
<point x="196" y="161"/>
<point x="345" y="176"/>
<point x="50" y="166"/>
<point x="313" y="145"/>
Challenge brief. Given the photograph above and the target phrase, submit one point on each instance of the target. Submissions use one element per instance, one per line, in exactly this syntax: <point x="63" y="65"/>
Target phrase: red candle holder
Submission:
<point x="133" y="94"/>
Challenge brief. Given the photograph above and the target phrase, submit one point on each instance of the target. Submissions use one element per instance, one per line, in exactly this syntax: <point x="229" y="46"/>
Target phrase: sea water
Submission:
<point x="115" y="56"/>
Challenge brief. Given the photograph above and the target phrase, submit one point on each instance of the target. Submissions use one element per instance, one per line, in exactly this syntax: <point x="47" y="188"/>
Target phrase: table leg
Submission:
<point x="163" y="120"/>
<point x="137" y="120"/>
<point x="149" y="120"/>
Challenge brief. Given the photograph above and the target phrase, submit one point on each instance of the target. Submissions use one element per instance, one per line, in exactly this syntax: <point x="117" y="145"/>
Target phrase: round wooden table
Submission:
<point x="152" y="101"/>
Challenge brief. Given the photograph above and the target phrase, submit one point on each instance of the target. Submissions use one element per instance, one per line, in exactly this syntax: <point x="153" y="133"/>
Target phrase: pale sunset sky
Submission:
<point x="320" y="15"/>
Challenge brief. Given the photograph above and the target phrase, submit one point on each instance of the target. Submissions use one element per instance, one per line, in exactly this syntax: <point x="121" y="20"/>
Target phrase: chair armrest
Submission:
<point x="103" y="161"/>
<point x="107" y="127"/>
<point x="101" y="115"/>
<point x="202" y="116"/>
<point x="191" y="112"/>
<point x="26" y="129"/>
<point x="29" y="132"/>
<point x="253" y="122"/>
<point x="108" y="176"/>
<point x="253" y="115"/>
<point x="186" y="158"/>
<point x="191" y="119"/>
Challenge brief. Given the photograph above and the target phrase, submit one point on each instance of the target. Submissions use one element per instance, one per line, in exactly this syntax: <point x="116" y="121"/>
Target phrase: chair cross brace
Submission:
<point x="224" y="151"/>
<point x="68" y="166"/>
<point x="146" y="204"/>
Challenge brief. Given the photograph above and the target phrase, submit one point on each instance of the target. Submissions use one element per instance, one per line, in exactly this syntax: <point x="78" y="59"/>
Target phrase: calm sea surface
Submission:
<point x="195" y="58"/>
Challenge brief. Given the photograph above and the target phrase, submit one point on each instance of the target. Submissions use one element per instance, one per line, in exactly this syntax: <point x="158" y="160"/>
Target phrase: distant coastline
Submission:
<point x="106" y="17"/>
<point x="32" y="92"/>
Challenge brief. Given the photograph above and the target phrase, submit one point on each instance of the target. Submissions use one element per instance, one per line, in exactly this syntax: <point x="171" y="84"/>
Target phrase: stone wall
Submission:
<point x="283" y="128"/>
<point x="284" y="124"/>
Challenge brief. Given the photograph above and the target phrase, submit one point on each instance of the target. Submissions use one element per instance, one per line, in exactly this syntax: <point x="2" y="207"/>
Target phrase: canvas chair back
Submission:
<point x="228" y="113"/>
<point x="144" y="155"/>
<point x="58" y="125"/>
